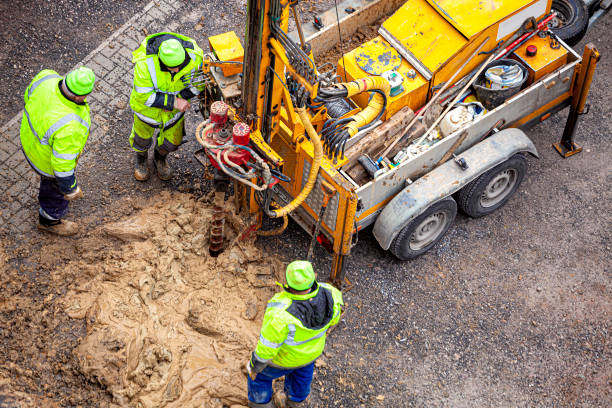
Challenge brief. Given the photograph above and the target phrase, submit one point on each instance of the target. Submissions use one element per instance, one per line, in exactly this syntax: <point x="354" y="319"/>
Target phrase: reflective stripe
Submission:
<point x="152" y="73"/>
<point x="150" y="100"/>
<point x="39" y="81"/>
<point x="65" y="156"/>
<point x="290" y="341"/>
<point x="268" y="343"/>
<point x="174" y="119"/>
<point x="146" y="119"/>
<point x="34" y="166"/>
<point x="63" y="173"/>
<point x="32" y="127"/>
<point x="63" y="121"/>
<point x="276" y="304"/>
<point x="143" y="89"/>
<point x="263" y="360"/>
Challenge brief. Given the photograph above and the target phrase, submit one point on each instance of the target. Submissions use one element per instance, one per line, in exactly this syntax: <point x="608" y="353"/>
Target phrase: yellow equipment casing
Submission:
<point x="227" y="47"/>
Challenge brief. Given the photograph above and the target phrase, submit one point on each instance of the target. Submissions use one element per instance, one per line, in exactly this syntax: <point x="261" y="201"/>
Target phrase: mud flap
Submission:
<point x="447" y="179"/>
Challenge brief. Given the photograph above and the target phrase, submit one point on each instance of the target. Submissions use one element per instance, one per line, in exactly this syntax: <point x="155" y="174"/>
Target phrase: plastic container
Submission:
<point x="454" y="119"/>
<point x="492" y="98"/>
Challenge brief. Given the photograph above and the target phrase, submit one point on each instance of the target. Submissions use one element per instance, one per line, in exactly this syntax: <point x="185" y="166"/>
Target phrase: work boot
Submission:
<point x="57" y="227"/>
<point x="164" y="171"/>
<point x="270" y="404"/>
<point x="293" y="404"/>
<point x="141" y="167"/>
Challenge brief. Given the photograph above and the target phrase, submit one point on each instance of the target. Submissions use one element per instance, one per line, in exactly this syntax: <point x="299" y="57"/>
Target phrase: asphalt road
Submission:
<point x="509" y="310"/>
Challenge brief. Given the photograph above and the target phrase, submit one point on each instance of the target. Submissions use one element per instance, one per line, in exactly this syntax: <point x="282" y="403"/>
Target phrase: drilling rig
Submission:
<point x="336" y="150"/>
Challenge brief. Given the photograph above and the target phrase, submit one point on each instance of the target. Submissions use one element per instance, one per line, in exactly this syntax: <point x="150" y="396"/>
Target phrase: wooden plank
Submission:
<point x="378" y="137"/>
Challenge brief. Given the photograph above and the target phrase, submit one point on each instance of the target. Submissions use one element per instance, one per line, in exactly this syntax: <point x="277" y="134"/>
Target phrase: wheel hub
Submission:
<point x="498" y="188"/>
<point x="428" y="231"/>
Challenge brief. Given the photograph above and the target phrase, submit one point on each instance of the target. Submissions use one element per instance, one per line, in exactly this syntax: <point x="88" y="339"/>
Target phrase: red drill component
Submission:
<point x="241" y="134"/>
<point x="218" y="113"/>
<point x="216" y="229"/>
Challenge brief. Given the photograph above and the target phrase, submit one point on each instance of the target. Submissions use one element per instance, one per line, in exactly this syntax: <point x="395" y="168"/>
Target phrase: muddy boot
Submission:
<point x="57" y="227"/>
<point x="270" y="404"/>
<point x="293" y="404"/>
<point x="164" y="171"/>
<point x="141" y="167"/>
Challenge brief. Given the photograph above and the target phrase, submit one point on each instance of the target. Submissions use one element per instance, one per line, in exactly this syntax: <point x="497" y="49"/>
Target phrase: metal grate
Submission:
<point x="315" y="199"/>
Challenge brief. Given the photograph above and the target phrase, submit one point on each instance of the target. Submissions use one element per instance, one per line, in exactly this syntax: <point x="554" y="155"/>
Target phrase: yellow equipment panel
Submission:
<point x="546" y="60"/>
<point x="227" y="47"/>
<point x="415" y="89"/>
<point x="471" y="17"/>
<point x="424" y="33"/>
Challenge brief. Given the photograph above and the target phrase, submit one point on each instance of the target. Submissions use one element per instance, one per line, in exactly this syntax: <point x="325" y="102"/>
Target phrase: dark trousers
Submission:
<point x="297" y="383"/>
<point x="51" y="199"/>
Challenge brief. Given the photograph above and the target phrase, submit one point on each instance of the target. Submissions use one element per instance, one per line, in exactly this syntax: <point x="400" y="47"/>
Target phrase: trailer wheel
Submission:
<point x="494" y="188"/>
<point x="572" y="20"/>
<point x="422" y="233"/>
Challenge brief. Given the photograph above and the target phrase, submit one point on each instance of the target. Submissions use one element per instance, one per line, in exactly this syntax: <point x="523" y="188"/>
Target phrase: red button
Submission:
<point x="531" y="50"/>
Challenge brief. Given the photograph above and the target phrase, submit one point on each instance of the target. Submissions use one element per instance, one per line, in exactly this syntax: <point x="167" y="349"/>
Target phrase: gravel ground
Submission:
<point x="509" y="310"/>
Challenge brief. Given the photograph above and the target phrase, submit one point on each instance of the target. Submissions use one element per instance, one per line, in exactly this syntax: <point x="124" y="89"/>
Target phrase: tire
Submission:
<point x="494" y="188"/>
<point x="416" y="237"/>
<point x="572" y="20"/>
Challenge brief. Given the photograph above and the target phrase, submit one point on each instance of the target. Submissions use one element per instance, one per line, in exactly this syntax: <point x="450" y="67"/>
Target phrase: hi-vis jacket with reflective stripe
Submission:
<point x="54" y="129"/>
<point x="294" y="327"/>
<point x="152" y="98"/>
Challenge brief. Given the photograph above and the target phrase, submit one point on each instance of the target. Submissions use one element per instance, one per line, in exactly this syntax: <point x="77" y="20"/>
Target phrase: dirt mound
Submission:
<point x="168" y="325"/>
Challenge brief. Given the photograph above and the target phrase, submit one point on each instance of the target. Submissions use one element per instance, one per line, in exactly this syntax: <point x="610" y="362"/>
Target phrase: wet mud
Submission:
<point x="165" y="324"/>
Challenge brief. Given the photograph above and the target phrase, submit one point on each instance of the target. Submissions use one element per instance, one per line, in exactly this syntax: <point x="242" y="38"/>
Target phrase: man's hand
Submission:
<point x="77" y="193"/>
<point x="252" y="374"/>
<point x="181" y="104"/>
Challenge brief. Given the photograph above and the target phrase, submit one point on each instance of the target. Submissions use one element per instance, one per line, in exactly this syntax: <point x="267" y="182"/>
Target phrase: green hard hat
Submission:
<point x="300" y="275"/>
<point x="80" y="81"/>
<point x="171" y="53"/>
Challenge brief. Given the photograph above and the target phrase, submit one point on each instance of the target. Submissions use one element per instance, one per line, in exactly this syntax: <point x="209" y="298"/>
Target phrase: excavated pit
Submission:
<point x="168" y="325"/>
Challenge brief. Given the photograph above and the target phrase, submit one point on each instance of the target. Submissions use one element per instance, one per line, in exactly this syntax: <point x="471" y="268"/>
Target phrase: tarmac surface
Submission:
<point x="512" y="309"/>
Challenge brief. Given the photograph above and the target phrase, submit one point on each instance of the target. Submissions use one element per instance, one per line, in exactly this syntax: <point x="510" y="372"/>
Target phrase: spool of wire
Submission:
<point x="337" y="108"/>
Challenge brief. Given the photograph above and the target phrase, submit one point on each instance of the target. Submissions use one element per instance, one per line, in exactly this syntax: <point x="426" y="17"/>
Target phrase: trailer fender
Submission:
<point x="447" y="179"/>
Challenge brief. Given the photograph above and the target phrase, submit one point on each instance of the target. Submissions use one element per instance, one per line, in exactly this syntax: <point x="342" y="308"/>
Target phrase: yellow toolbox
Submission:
<point x="546" y="59"/>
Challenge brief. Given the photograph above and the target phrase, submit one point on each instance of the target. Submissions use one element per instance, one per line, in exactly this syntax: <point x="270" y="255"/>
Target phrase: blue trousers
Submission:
<point x="297" y="383"/>
<point x="51" y="199"/>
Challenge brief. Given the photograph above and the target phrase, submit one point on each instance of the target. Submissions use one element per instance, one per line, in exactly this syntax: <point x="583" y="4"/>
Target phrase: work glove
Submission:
<point x="181" y="104"/>
<point x="77" y="193"/>
<point x="251" y="371"/>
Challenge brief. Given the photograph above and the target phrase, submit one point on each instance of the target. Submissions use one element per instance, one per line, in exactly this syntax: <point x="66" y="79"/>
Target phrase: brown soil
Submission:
<point x="166" y="325"/>
<point x="362" y="35"/>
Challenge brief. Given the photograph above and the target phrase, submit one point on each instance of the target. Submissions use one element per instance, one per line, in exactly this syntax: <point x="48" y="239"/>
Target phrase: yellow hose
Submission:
<point x="375" y="105"/>
<point x="314" y="170"/>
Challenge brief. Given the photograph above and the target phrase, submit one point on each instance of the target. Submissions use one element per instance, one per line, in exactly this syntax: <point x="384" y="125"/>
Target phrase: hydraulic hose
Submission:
<point x="375" y="106"/>
<point x="314" y="169"/>
<point x="333" y="137"/>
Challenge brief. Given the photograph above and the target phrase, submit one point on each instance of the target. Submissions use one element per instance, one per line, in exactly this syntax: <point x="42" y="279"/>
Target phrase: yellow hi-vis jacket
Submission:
<point x="295" y="326"/>
<point x="155" y="88"/>
<point x="54" y="129"/>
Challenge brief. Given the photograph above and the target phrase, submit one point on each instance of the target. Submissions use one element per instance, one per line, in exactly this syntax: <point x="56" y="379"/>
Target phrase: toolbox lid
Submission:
<point x="472" y="17"/>
<point x="422" y="36"/>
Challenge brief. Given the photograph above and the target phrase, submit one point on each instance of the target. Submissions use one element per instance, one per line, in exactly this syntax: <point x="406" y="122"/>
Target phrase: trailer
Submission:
<point x="312" y="131"/>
